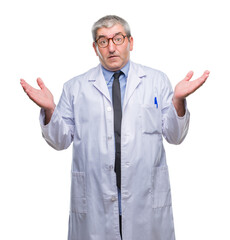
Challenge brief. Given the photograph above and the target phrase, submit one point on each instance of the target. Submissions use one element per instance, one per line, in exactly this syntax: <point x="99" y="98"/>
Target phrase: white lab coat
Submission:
<point x="84" y="116"/>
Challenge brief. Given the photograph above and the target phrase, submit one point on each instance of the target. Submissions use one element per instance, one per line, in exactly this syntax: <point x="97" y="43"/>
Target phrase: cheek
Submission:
<point x="98" y="53"/>
<point x="126" y="51"/>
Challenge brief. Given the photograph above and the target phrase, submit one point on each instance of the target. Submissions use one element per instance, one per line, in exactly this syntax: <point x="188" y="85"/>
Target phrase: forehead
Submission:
<point x="109" y="32"/>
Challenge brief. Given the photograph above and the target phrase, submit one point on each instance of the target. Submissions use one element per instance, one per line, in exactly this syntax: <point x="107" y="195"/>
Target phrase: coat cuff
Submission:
<point x="176" y="127"/>
<point x="186" y="111"/>
<point x="42" y="118"/>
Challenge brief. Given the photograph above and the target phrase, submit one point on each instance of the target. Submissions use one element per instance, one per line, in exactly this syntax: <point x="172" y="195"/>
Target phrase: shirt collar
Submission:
<point x="109" y="74"/>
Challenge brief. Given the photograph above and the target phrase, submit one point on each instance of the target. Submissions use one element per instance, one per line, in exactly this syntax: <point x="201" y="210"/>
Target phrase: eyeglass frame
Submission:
<point x="124" y="36"/>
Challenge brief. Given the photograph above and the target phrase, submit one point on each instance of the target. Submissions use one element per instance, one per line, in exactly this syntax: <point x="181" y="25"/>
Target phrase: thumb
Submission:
<point x="188" y="76"/>
<point x="40" y="83"/>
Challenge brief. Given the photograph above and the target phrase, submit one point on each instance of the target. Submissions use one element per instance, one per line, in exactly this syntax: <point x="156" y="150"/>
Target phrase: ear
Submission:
<point x="131" y="43"/>
<point x="95" y="48"/>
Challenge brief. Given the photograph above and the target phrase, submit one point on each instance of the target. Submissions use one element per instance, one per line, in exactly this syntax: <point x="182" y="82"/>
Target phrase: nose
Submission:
<point x="111" y="46"/>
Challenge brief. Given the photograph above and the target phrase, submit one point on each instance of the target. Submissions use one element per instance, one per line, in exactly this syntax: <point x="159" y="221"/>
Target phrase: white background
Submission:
<point x="52" y="40"/>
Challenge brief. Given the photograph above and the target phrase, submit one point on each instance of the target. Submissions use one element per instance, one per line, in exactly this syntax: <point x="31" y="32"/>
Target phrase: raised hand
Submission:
<point x="43" y="97"/>
<point x="186" y="87"/>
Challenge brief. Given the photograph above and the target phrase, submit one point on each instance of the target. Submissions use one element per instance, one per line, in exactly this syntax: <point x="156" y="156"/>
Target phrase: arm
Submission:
<point x="59" y="132"/>
<point x="175" y="115"/>
<point x="184" y="88"/>
<point x="43" y="97"/>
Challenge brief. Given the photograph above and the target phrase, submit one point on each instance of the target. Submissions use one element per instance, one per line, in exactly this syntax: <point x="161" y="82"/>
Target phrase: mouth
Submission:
<point x="113" y="57"/>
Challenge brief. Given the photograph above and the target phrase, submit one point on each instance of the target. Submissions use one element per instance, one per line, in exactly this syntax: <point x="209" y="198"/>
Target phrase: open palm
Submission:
<point x="43" y="97"/>
<point x="186" y="87"/>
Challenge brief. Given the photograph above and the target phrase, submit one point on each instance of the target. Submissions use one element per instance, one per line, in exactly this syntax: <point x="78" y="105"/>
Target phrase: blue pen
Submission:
<point x="155" y="102"/>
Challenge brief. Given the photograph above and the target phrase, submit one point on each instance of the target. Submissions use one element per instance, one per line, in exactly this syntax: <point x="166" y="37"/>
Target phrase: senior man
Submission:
<point x="116" y="115"/>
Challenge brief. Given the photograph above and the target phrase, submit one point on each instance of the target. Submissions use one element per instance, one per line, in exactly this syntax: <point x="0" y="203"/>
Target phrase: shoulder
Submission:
<point x="81" y="79"/>
<point x="149" y="73"/>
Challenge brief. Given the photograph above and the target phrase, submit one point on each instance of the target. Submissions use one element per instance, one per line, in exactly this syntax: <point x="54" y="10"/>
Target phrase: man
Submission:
<point x="116" y="115"/>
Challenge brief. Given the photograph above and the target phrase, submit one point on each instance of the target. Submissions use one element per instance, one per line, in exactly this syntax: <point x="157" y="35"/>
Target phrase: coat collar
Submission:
<point x="136" y="72"/>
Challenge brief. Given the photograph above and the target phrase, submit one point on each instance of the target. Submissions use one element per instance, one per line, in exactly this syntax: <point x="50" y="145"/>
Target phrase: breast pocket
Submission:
<point x="151" y="119"/>
<point x="160" y="187"/>
<point x="78" y="193"/>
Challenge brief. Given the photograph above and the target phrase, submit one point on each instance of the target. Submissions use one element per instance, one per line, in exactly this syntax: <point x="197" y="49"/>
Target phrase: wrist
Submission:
<point x="49" y="113"/>
<point x="179" y="106"/>
<point x="178" y="101"/>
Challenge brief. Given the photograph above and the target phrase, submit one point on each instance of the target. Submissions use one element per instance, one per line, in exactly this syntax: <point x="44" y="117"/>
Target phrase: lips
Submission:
<point x="113" y="56"/>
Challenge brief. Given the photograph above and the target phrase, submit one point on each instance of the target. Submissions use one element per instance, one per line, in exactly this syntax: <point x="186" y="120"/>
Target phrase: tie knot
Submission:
<point x="117" y="75"/>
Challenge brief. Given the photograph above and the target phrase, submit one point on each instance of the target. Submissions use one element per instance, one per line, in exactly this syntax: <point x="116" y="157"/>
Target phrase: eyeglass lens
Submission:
<point x="117" y="39"/>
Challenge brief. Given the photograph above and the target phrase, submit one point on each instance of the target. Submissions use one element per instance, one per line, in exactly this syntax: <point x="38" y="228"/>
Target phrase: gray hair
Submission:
<point x="109" y="21"/>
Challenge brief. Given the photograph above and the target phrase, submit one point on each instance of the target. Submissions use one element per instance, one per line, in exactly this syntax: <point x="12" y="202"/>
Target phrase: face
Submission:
<point x="113" y="57"/>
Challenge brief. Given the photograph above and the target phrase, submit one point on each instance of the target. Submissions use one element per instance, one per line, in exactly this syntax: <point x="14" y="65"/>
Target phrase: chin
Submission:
<point x="114" y="67"/>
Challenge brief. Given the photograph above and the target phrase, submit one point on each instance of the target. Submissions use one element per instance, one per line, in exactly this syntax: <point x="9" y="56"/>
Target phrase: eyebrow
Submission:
<point x="100" y="36"/>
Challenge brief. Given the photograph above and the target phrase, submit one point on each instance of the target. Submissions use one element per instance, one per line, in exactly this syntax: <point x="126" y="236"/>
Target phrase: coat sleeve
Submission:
<point x="174" y="128"/>
<point x="59" y="132"/>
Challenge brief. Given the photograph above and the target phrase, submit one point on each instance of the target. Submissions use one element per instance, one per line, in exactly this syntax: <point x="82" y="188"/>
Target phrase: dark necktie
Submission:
<point x="116" y="93"/>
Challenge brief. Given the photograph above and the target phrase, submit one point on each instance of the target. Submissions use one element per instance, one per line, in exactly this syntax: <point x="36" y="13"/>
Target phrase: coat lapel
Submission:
<point x="133" y="81"/>
<point x="100" y="83"/>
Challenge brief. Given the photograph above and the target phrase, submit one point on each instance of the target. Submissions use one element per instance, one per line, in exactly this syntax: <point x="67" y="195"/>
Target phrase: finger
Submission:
<point x="188" y="76"/>
<point x="29" y="90"/>
<point x="22" y="82"/>
<point x="25" y="85"/>
<point x="204" y="77"/>
<point x="200" y="81"/>
<point x="40" y="83"/>
<point x="206" y="74"/>
<point x="32" y="93"/>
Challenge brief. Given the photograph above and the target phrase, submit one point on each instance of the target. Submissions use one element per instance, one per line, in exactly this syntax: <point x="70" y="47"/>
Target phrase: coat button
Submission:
<point x="110" y="167"/>
<point x="109" y="109"/>
<point x="113" y="198"/>
<point x="127" y="164"/>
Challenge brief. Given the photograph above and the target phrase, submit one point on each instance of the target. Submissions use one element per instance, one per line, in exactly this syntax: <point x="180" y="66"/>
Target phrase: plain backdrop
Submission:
<point x="52" y="40"/>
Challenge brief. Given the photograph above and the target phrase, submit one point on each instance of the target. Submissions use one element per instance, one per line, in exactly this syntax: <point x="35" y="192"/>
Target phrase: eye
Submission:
<point x="118" y="39"/>
<point x="102" y="41"/>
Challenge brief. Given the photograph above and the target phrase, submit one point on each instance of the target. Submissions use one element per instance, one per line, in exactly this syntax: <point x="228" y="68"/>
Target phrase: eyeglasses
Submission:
<point x="118" y="39"/>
